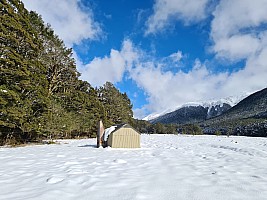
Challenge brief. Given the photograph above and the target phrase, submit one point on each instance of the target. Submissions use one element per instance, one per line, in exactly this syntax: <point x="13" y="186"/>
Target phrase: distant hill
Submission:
<point x="191" y="114"/>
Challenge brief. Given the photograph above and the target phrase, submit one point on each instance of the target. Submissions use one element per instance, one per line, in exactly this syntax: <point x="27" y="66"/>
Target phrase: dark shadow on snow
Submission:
<point x="89" y="146"/>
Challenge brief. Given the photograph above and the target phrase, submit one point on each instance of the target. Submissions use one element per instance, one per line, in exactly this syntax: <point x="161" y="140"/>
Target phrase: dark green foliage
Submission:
<point x="40" y="93"/>
<point x="21" y="86"/>
<point x="241" y="127"/>
<point x="158" y="128"/>
<point x="171" y="129"/>
<point x="218" y="133"/>
<point x="191" y="129"/>
<point x="118" y="106"/>
<point x="141" y="125"/>
<point x="254" y="129"/>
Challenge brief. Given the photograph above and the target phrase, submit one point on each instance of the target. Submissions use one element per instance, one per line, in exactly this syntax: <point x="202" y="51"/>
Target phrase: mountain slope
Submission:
<point x="192" y="113"/>
<point x="254" y="106"/>
<point x="195" y="111"/>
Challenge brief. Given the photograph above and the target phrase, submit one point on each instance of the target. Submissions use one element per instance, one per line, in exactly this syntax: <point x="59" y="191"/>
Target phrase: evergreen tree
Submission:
<point x="40" y="93"/>
<point x="21" y="78"/>
<point x="118" y="106"/>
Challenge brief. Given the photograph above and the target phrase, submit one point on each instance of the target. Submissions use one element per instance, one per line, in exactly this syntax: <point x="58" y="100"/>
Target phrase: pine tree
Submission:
<point x="118" y="106"/>
<point x="40" y="93"/>
<point x="21" y="79"/>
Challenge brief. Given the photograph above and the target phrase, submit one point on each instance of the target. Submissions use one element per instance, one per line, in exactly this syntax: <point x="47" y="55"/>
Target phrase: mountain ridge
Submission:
<point x="193" y="112"/>
<point x="253" y="106"/>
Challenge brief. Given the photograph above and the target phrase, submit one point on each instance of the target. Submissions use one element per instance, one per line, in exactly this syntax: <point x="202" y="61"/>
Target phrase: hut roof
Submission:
<point x="114" y="128"/>
<point x="124" y="125"/>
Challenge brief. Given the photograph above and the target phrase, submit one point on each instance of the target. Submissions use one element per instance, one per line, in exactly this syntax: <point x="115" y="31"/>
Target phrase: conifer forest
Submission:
<point x="41" y="95"/>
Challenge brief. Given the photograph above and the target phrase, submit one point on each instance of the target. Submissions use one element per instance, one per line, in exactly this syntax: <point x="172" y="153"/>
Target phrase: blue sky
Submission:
<point x="164" y="53"/>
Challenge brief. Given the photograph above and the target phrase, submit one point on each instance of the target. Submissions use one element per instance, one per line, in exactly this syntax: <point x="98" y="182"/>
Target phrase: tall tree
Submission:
<point x="21" y="77"/>
<point x="117" y="105"/>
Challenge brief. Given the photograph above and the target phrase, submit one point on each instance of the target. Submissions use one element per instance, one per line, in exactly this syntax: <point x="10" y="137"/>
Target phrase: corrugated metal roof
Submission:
<point x="123" y="125"/>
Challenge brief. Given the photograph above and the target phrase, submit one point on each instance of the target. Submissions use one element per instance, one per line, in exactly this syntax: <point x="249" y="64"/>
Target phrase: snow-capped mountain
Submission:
<point x="195" y="111"/>
<point x="253" y="106"/>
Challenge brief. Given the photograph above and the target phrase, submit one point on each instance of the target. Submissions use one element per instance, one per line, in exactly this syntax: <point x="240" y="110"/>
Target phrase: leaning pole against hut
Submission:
<point x="100" y="132"/>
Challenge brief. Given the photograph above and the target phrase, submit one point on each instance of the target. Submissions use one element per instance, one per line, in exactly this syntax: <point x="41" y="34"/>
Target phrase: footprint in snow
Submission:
<point x="54" y="180"/>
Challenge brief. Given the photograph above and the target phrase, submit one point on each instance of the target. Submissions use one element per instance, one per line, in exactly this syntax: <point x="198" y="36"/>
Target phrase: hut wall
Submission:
<point x="124" y="138"/>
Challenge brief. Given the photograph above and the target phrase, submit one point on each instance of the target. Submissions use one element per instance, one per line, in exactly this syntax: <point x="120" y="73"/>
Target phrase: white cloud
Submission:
<point x="139" y="113"/>
<point x="237" y="47"/>
<point x="100" y="70"/>
<point x="187" y="11"/>
<point x="249" y="79"/>
<point x="238" y="31"/>
<point x="176" y="57"/>
<point x="236" y="28"/>
<point x="168" y="89"/>
<point x="230" y="17"/>
<point x="110" y="68"/>
<point x="68" y="20"/>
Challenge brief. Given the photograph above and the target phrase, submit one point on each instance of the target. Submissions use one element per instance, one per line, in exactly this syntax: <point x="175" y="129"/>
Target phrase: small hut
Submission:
<point x="122" y="136"/>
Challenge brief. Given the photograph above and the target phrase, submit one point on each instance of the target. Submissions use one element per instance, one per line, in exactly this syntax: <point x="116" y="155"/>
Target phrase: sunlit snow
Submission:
<point x="165" y="167"/>
<point x="108" y="131"/>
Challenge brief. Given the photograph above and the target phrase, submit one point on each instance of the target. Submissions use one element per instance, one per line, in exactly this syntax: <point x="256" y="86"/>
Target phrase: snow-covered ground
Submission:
<point x="166" y="167"/>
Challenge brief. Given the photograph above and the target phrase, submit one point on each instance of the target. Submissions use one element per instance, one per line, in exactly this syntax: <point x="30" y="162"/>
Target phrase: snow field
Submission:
<point x="166" y="167"/>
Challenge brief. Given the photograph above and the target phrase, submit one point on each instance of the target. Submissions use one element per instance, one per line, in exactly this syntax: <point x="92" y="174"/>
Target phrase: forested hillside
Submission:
<point x="248" y="117"/>
<point x="41" y="95"/>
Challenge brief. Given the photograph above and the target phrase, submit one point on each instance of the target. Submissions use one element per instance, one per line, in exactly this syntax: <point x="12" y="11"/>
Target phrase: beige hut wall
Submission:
<point x="124" y="138"/>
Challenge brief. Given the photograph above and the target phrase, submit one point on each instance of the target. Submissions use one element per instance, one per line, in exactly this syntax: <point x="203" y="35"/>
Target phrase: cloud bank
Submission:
<point x="67" y="19"/>
<point x="167" y="89"/>
<point x="239" y="33"/>
<point x="110" y="68"/>
<point x="236" y="29"/>
<point x="165" y="11"/>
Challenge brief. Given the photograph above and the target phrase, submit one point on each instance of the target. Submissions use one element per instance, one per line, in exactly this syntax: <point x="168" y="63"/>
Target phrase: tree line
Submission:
<point x="41" y="95"/>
